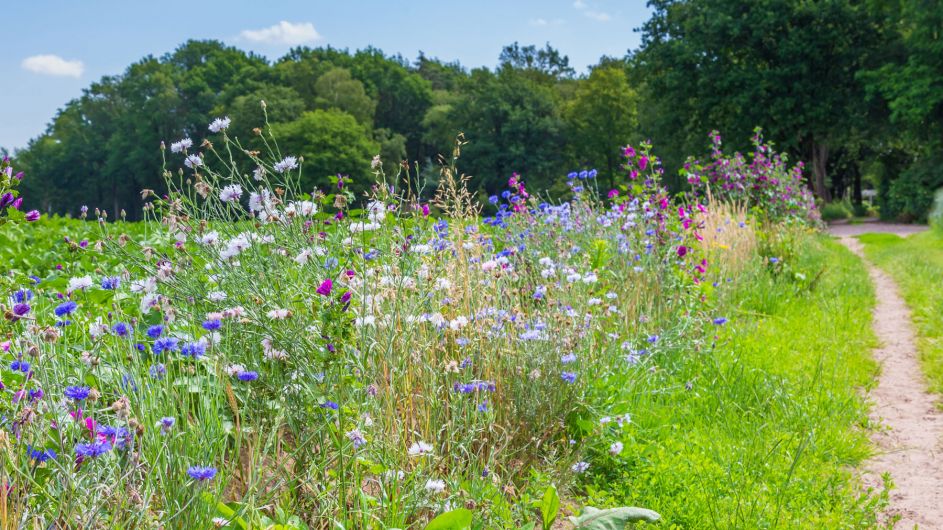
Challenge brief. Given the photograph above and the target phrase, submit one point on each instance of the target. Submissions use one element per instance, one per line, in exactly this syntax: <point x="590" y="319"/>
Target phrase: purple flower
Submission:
<point x="20" y="310"/>
<point x="77" y="393"/>
<point x="110" y="282"/>
<point x="22" y="296"/>
<point x="330" y="405"/>
<point x="325" y="288"/>
<point x="720" y="321"/>
<point x="121" y="329"/>
<point x="212" y="325"/>
<point x="155" y="331"/>
<point x="201" y="473"/>
<point x="32" y="215"/>
<point x="92" y="450"/>
<point x="569" y="377"/>
<point x="248" y="376"/>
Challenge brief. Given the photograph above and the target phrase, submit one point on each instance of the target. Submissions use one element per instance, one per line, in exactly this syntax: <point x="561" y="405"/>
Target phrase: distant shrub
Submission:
<point x="763" y="182"/>
<point x="835" y="211"/>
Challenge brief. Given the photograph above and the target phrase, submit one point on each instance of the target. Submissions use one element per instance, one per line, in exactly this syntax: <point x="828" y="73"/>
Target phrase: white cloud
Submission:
<point x="598" y="15"/>
<point x="542" y="22"/>
<point x="284" y="32"/>
<point x="53" y="65"/>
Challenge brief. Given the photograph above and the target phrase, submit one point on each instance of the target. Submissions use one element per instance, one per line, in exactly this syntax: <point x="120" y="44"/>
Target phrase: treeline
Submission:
<point x="855" y="88"/>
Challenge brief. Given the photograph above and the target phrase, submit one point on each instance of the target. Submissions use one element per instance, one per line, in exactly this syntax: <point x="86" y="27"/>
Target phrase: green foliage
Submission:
<point x="916" y="264"/>
<point x="458" y="519"/>
<point x="834" y="211"/>
<point x="549" y="507"/>
<point x="331" y="142"/>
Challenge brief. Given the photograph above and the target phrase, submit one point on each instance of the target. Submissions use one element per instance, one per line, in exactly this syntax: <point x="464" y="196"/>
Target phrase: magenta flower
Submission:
<point x="325" y="288"/>
<point x="32" y="215"/>
<point x="682" y="250"/>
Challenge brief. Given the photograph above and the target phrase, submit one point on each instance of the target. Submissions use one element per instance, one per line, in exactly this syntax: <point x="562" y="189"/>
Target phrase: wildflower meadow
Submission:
<point x="258" y="355"/>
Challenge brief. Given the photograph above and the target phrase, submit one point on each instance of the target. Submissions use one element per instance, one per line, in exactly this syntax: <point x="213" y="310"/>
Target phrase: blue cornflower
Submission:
<point x="212" y="325"/>
<point x="158" y="371"/>
<point x="63" y="323"/>
<point x="330" y="405"/>
<point x="774" y="260"/>
<point x="372" y="255"/>
<point x="653" y="339"/>
<point x="19" y="366"/>
<point x="572" y="175"/>
<point x="330" y="262"/>
<point x="155" y="331"/>
<point x="121" y="329"/>
<point x="493" y="199"/>
<point x="720" y="321"/>
<point x="65" y="308"/>
<point x="40" y="455"/>
<point x="248" y="376"/>
<point x="164" y="344"/>
<point x="76" y="393"/>
<point x="110" y="282"/>
<point x="194" y="349"/>
<point x="22" y="296"/>
<point x="569" y="377"/>
<point x="201" y="473"/>
<point x="92" y="450"/>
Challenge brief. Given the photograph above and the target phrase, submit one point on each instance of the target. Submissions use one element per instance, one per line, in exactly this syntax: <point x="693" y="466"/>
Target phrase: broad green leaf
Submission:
<point x="459" y="519"/>
<point x="549" y="506"/>
<point x="612" y="518"/>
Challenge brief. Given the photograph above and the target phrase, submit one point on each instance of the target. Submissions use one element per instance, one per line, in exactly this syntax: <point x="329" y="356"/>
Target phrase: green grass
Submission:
<point x="916" y="264"/>
<point x="774" y="420"/>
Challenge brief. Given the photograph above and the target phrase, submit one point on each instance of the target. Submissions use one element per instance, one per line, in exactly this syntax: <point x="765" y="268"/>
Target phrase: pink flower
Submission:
<point x="325" y="288"/>
<point x="425" y="210"/>
<point x="613" y="194"/>
<point x="682" y="250"/>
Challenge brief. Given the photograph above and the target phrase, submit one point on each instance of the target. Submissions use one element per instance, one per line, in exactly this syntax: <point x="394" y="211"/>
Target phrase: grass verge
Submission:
<point x="762" y="428"/>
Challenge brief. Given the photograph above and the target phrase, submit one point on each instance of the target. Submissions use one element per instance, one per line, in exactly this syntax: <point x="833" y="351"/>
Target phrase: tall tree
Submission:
<point x="787" y="65"/>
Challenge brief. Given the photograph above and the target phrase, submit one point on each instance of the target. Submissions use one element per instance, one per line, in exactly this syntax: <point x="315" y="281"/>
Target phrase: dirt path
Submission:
<point x="911" y="442"/>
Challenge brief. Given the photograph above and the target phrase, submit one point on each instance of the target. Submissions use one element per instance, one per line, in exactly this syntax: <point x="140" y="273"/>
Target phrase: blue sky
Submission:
<point x="51" y="50"/>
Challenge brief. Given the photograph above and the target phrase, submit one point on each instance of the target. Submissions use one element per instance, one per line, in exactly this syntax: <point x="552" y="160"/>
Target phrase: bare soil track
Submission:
<point x="910" y="439"/>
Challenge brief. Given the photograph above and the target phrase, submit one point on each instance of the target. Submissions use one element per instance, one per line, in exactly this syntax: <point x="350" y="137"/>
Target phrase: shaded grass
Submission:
<point x="762" y="427"/>
<point x="916" y="264"/>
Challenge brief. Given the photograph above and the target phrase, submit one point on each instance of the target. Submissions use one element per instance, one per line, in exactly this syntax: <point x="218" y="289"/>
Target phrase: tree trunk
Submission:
<point x="856" y="187"/>
<point x="819" y="159"/>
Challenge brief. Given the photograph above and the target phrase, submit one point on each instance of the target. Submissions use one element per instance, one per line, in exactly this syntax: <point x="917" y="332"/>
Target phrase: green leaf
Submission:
<point x="459" y="519"/>
<point x="612" y="518"/>
<point x="549" y="506"/>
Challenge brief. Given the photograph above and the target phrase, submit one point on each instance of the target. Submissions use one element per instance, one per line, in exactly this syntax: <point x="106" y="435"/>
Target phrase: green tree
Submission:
<point x="602" y="117"/>
<point x="337" y="89"/>
<point x="787" y="65"/>
<point x="331" y="142"/>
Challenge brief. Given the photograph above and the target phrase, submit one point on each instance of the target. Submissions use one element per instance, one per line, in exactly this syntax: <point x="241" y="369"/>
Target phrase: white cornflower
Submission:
<point x="258" y="173"/>
<point x="286" y="164"/>
<point x="230" y="193"/>
<point x="216" y="296"/>
<point x="419" y="449"/>
<point x="147" y="285"/>
<point x="235" y="369"/>
<point x="193" y="161"/>
<point x="279" y="314"/>
<point x="435" y="486"/>
<point x="180" y="146"/>
<point x="375" y="163"/>
<point x="209" y="238"/>
<point x="579" y="467"/>
<point x="219" y="124"/>
<point x="615" y="448"/>
<point x="376" y="211"/>
<point x="82" y="282"/>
